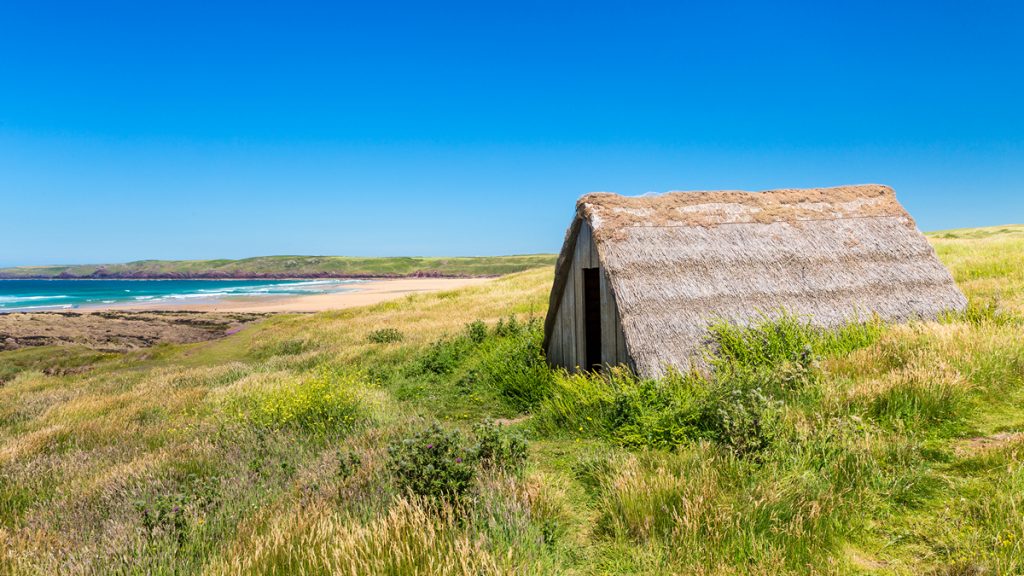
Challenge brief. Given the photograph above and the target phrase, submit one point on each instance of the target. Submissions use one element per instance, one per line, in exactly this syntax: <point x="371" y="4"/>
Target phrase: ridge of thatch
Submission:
<point x="609" y="213"/>
<point x="680" y="261"/>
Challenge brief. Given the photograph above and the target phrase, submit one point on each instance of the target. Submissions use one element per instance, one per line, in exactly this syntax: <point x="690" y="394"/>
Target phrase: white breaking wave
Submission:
<point x="191" y="296"/>
<point x="279" y="288"/>
<point x="45" y="306"/>
<point x="14" y="299"/>
<point x="284" y="288"/>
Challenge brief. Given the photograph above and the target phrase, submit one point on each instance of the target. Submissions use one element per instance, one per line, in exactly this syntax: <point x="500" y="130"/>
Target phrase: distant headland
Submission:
<point x="282" y="267"/>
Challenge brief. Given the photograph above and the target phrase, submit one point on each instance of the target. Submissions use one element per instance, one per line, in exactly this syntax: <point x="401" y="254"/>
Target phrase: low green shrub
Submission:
<point x="512" y="326"/>
<point x="433" y="463"/>
<point x="740" y="417"/>
<point x="442" y="464"/>
<point x="165" y="514"/>
<point x="173" y="513"/>
<point x="385" y="336"/>
<point x="443" y="356"/>
<point x="476" y="331"/>
<point x="348" y="463"/>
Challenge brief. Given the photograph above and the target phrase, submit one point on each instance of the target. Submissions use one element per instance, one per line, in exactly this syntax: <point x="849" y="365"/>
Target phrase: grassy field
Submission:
<point x="292" y="266"/>
<point x="305" y="444"/>
<point x="986" y="262"/>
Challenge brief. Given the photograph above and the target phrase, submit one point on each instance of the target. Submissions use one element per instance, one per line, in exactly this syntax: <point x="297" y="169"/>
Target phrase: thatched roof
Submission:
<point x="680" y="261"/>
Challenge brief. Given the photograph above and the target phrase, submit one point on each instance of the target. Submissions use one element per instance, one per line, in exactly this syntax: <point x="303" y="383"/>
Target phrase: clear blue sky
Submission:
<point x="217" y="129"/>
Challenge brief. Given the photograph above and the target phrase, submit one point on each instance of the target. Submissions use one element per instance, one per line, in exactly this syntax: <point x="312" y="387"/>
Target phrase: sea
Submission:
<point x="40" y="295"/>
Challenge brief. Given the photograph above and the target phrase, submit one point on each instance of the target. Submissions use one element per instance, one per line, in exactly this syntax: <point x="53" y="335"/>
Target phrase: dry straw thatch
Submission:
<point x="678" y="262"/>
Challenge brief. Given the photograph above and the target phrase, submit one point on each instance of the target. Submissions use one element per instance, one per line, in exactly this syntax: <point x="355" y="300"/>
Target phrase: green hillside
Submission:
<point x="306" y="444"/>
<point x="292" y="267"/>
<point x="1007" y="231"/>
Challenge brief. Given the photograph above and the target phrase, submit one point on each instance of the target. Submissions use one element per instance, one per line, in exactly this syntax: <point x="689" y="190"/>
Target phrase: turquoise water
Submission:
<point x="71" y="294"/>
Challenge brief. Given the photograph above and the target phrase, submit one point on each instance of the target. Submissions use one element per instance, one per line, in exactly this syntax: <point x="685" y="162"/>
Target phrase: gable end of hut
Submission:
<point x="581" y="297"/>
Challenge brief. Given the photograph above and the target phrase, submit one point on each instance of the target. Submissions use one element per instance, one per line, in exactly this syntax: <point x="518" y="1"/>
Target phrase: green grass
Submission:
<point x="293" y="266"/>
<point x="49" y="360"/>
<point x="986" y="262"/>
<point x="871" y="449"/>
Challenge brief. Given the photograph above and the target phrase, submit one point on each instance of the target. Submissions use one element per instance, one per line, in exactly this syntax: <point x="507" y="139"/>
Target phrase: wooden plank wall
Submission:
<point x="568" y="347"/>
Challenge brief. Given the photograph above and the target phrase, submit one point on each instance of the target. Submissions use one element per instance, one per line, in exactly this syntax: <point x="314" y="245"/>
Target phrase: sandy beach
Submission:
<point x="360" y="294"/>
<point x="128" y="326"/>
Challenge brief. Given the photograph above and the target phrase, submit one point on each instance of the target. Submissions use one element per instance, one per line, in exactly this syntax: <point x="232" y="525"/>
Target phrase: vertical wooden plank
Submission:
<point x="608" y="328"/>
<point x="567" y="352"/>
<point x="568" y="323"/>
<point x="581" y="241"/>
<point x="553" y="345"/>
<point x="585" y="245"/>
<point x="557" y="335"/>
<point x="579" y="263"/>
<point x="620" y="341"/>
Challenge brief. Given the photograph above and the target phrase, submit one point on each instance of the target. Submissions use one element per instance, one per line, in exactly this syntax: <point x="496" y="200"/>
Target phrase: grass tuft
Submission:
<point x="385" y="336"/>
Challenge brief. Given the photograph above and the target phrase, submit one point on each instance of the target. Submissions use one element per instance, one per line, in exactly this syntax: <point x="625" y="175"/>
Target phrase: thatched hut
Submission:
<point x="640" y="279"/>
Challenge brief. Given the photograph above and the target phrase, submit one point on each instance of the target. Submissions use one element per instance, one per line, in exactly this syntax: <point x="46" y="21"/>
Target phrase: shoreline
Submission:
<point x="262" y="278"/>
<point x="363" y="293"/>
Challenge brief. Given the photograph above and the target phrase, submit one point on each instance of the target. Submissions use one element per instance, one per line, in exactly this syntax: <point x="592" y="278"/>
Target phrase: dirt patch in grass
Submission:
<point x="973" y="446"/>
<point x="511" y="421"/>
<point x="116" y="331"/>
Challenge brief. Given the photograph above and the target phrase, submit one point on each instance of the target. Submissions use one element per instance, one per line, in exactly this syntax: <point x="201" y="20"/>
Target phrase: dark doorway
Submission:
<point x="592" y="316"/>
